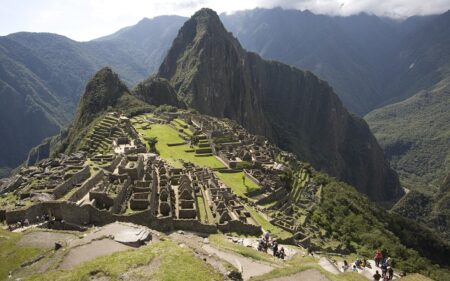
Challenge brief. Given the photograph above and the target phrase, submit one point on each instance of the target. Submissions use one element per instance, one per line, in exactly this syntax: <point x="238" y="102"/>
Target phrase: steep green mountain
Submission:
<point x="104" y="92"/>
<point x="291" y="107"/>
<point x="415" y="135"/>
<point x="431" y="210"/>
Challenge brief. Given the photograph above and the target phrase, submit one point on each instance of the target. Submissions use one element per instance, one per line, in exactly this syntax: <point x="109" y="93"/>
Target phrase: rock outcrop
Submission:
<point x="157" y="91"/>
<point x="212" y="73"/>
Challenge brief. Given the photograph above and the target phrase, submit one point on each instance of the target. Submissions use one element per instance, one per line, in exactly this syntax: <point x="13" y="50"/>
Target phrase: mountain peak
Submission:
<point x="103" y="90"/>
<point x="203" y="31"/>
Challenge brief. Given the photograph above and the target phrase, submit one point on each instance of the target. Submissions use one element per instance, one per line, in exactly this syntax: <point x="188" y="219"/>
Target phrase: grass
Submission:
<point x="267" y="226"/>
<point x="416" y="277"/>
<point x="221" y="242"/>
<point x="234" y="181"/>
<point x="173" y="154"/>
<point x="300" y="263"/>
<point x="12" y="255"/>
<point x="201" y="209"/>
<point x="175" y="263"/>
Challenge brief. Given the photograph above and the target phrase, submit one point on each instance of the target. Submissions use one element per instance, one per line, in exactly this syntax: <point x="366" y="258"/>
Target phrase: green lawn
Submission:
<point x="172" y="262"/>
<point x="11" y="255"/>
<point x="267" y="226"/>
<point x="234" y="181"/>
<point x="201" y="209"/>
<point x="173" y="154"/>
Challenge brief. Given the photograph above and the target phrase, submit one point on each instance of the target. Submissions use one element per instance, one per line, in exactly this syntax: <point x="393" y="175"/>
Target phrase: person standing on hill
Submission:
<point x="376" y="276"/>
<point x="378" y="257"/>
<point x="390" y="273"/>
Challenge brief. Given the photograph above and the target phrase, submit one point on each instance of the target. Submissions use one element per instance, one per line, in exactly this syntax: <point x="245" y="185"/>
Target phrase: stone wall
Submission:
<point x="240" y="227"/>
<point x="194" y="225"/>
<point x="86" y="187"/>
<point x="277" y="195"/>
<point x="121" y="196"/>
<point x="114" y="163"/>
<point x="15" y="183"/>
<point x="66" y="186"/>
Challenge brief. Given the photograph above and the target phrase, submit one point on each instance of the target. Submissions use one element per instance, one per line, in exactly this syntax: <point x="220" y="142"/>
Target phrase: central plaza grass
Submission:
<point x="235" y="182"/>
<point x="173" y="154"/>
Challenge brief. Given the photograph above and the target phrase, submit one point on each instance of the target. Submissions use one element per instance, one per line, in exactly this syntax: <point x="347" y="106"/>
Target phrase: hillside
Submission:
<point x="291" y="107"/>
<point x="415" y="135"/>
<point x="42" y="77"/>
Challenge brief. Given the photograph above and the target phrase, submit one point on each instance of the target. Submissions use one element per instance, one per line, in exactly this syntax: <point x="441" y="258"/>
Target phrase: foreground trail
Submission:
<point x="249" y="267"/>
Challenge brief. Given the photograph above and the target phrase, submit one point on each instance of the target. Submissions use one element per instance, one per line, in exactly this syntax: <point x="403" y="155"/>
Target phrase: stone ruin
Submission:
<point x="115" y="177"/>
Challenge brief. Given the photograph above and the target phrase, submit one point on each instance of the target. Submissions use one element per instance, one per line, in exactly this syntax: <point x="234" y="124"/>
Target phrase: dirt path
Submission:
<point x="91" y="251"/>
<point x="307" y="275"/>
<point x="248" y="266"/>
<point x="45" y="239"/>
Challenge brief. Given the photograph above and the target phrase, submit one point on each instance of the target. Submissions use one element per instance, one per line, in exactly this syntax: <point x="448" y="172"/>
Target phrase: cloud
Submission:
<point x="88" y="19"/>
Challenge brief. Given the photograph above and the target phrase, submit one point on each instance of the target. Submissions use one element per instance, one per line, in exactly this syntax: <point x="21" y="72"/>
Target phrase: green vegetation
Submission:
<point x="236" y="183"/>
<point x="12" y="255"/>
<point x="361" y="226"/>
<point x="173" y="154"/>
<point x="299" y="263"/>
<point x="171" y="262"/>
<point x="267" y="226"/>
<point x="415" y="134"/>
<point x="201" y="209"/>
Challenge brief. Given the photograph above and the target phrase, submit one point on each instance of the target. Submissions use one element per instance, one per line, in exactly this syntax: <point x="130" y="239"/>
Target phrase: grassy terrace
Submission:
<point x="173" y="154"/>
<point x="300" y="263"/>
<point x="201" y="209"/>
<point x="234" y="180"/>
<point x="266" y="225"/>
<point x="166" y="260"/>
<point x="12" y="255"/>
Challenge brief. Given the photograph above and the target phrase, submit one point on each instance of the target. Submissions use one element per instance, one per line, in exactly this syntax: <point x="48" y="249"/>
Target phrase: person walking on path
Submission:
<point x="378" y="257"/>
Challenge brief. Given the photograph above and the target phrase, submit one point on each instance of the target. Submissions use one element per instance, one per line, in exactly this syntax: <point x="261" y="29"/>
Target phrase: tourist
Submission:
<point x="10" y="275"/>
<point x="378" y="257"/>
<point x="275" y="248"/>
<point x="358" y="263"/>
<point x="384" y="269"/>
<point x="389" y="261"/>
<point x="364" y="262"/>
<point x="390" y="273"/>
<point x="376" y="276"/>
<point x="345" y="266"/>
<point x="267" y="236"/>
<point x="281" y="253"/>
<point x="354" y="269"/>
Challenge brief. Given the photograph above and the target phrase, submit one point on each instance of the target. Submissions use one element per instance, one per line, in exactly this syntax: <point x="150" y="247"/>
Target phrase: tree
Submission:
<point x="152" y="143"/>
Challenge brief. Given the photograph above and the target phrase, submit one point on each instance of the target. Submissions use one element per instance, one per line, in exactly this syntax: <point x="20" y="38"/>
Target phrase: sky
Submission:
<point x="83" y="20"/>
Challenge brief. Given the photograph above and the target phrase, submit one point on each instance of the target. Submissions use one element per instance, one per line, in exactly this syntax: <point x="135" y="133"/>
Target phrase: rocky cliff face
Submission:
<point x="157" y="91"/>
<point x="213" y="74"/>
